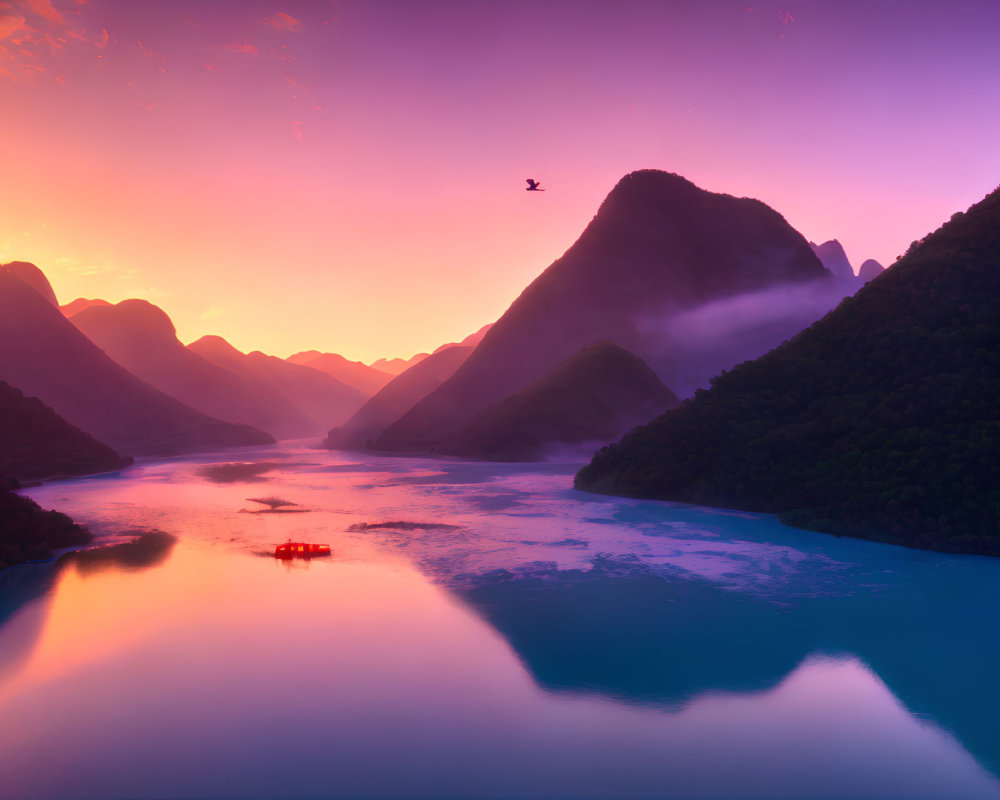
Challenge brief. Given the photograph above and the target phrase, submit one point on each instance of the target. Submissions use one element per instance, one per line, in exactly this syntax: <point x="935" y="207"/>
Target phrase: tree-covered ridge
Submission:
<point x="880" y="420"/>
<point x="28" y="533"/>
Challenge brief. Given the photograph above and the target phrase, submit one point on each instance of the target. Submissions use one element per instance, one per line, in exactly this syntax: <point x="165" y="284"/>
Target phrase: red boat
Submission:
<point x="292" y="549"/>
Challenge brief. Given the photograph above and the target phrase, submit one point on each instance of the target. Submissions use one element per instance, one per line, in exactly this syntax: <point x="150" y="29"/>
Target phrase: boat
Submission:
<point x="292" y="549"/>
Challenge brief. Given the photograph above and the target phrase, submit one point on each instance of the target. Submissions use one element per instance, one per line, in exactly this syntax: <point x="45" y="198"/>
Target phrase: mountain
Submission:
<point x="324" y="401"/>
<point x="36" y="443"/>
<point x="396" y="366"/>
<point x="78" y="305"/>
<point x="834" y="258"/>
<point x="472" y="340"/>
<point x="353" y="373"/>
<point x="870" y="269"/>
<point x="882" y="420"/>
<point x="396" y="398"/>
<point x="595" y="396"/>
<point x="28" y="533"/>
<point x="43" y="355"/>
<point x="690" y="281"/>
<point x="31" y="275"/>
<point x="141" y="337"/>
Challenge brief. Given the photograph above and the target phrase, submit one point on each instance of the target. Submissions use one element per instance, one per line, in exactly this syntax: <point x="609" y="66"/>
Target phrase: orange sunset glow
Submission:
<point x="348" y="176"/>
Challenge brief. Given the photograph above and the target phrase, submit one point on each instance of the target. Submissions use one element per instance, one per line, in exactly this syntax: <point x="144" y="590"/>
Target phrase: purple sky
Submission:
<point x="350" y="176"/>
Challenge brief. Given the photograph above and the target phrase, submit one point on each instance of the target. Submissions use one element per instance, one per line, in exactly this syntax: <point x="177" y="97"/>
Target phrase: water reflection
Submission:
<point x="143" y="552"/>
<point x="622" y="631"/>
<point x="632" y="649"/>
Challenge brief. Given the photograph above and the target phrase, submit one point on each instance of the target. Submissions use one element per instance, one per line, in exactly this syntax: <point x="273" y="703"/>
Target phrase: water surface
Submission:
<point x="484" y="631"/>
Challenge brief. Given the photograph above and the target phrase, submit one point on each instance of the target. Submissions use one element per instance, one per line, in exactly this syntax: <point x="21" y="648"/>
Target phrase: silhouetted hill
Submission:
<point x="870" y="269"/>
<point x="882" y="420"/>
<point x="36" y="443"/>
<point x="28" y="533"/>
<point x="78" y="305"/>
<point x="595" y="396"/>
<point x="834" y="258"/>
<point x="397" y="366"/>
<point x="141" y="337"/>
<point x="353" y="373"/>
<point x="33" y="277"/>
<point x="688" y="280"/>
<point x="324" y="401"/>
<point x="396" y="398"/>
<point x="472" y="340"/>
<point x="43" y="355"/>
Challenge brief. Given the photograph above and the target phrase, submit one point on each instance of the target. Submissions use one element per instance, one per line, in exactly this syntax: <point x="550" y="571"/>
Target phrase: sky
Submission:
<point x="349" y="176"/>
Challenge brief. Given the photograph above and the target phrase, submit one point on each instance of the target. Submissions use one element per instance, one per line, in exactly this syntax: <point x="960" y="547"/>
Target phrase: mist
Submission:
<point x="690" y="347"/>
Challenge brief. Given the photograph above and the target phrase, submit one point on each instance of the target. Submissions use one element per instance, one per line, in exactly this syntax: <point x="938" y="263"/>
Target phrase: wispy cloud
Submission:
<point x="11" y="24"/>
<point x="45" y="9"/>
<point x="284" y="22"/>
<point x="242" y="47"/>
<point x="32" y="31"/>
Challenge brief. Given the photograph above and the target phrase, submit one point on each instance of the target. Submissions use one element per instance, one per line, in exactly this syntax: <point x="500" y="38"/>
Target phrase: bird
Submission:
<point x="533" y="186"/>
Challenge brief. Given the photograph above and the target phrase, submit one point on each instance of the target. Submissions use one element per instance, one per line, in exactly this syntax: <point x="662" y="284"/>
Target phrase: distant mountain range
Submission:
<point x="141" y="337"/>
<point x="882" y="420"/>
<point x="76" y="306"/>
<point x="397" y="366"/>
<point x="689" y="281"/>
<point x="44" y="355"/>
<point x="353" y="373"/>
<point x="834" y="258"/>
<point x="396" y="398"/>
<point x="322" y="400"/>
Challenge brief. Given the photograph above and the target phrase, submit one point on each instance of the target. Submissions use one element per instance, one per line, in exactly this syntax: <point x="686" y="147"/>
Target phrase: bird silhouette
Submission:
<point x="533" y="186"/>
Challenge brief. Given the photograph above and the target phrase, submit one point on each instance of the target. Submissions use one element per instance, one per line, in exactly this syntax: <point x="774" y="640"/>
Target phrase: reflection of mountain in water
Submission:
<point x="34" y="582"/>
<point x="624" y="630"/>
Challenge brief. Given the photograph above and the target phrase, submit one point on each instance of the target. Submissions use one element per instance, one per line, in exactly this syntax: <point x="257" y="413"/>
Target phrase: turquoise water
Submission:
<point x="484" y="631"/>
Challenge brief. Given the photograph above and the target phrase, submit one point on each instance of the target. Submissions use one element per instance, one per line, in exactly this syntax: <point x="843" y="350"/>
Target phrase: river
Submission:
<point x="483" y="631"/>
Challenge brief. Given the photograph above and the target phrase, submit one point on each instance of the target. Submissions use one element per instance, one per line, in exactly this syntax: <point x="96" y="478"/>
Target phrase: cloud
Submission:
<point x="9" y="25"/>
<point x="37" y="31"/>
<point x="284" y="22"/>
<point x="44" y="8"/>
<point x="242" y="47"/>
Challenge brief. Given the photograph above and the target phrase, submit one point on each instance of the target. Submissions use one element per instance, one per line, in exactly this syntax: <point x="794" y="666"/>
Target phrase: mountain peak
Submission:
<point x="31" y="275"/>
<point x="649" y="187"/>
<point x="137" y="316"/>
<point x="76" y="306"/>
<point x="832" y="254"/>
<point x="870" y="269"/>
<point x="846" y="438"/>
<point x="214" y="344"/>
<point x="658" y="248"/>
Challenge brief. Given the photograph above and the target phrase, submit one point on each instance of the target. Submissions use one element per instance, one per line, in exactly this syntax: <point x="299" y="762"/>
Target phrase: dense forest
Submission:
<point x="879" y="421"/>
<point x="28" y="533"/>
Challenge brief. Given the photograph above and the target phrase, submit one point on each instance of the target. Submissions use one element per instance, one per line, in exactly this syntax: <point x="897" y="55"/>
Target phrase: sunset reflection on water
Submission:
<point x="447" y="661"/>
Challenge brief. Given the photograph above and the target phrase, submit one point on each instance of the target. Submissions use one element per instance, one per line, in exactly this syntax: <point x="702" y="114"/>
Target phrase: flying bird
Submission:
<point x="533" y="186"/>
